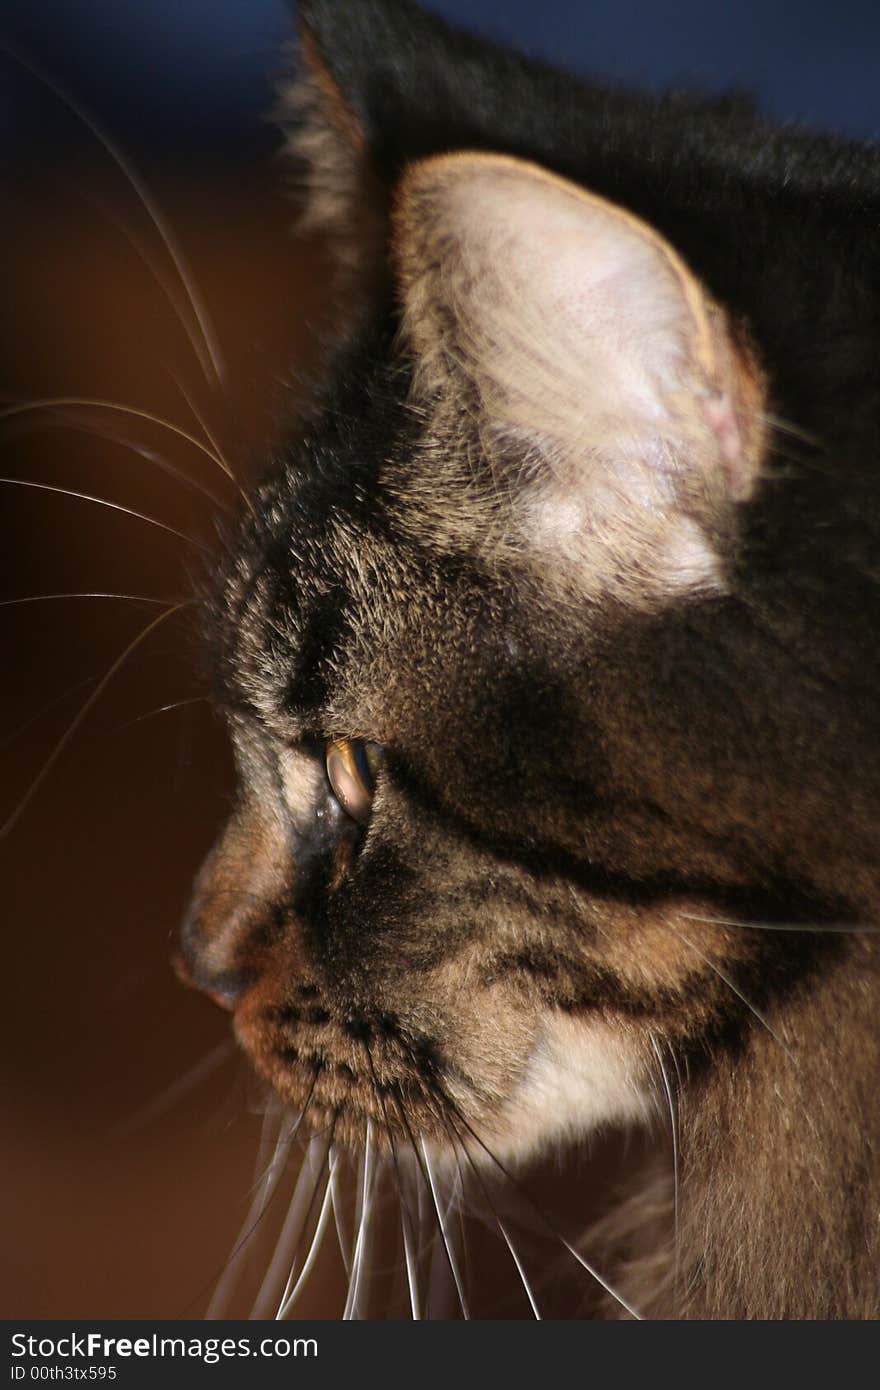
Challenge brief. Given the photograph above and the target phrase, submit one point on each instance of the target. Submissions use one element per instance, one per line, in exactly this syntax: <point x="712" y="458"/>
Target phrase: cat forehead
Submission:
<point x="336" y="618"/>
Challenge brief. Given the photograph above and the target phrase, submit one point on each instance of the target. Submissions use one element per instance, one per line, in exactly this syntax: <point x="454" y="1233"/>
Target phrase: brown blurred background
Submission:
<point x="120" y="1196"/>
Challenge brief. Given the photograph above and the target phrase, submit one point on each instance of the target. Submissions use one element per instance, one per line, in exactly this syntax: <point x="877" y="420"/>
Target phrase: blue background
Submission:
<point x="190" y="73"/>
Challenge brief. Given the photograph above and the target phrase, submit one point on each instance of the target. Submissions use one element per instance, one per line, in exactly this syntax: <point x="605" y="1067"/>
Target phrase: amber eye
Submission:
<point x="351" y="771"/>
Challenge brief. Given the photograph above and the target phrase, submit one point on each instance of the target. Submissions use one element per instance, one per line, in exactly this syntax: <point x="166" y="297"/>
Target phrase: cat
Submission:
<point x="548" y="653"/>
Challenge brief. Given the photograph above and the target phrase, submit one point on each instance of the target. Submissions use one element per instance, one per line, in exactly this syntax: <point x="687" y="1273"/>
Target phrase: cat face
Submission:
<point x="522" y="730"/>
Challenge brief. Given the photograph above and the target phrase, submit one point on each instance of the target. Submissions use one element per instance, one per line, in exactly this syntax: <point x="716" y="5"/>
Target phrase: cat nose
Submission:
<point x="222" y="935"/>
<point x="204" y="961"/>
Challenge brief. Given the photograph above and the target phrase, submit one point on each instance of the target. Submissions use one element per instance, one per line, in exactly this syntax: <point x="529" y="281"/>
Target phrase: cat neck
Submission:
<point x="779" y="1172"/>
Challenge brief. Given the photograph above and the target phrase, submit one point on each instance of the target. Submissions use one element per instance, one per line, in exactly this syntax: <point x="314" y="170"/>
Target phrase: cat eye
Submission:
<point x="352" y="765"/>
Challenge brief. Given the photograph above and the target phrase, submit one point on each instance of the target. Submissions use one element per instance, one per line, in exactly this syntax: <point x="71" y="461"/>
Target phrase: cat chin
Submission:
<point x="581" y="1076"/>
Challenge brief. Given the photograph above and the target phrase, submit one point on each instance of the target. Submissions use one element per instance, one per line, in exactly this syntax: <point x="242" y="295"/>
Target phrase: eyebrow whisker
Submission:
<point x="49" y="403"/>
<point x="48" y="598"/>
<point x="67" y="422"/>
<point x="218" y="452"/>
<point x="113" y="506"/>
<point x="210" y="358"/>
<point x="81" y="715"/>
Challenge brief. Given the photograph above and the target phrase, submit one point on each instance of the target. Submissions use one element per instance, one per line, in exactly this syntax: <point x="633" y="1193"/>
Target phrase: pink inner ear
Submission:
<point x="720" y="415"/>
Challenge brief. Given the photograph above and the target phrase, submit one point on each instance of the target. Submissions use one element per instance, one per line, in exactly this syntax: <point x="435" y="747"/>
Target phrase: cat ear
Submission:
<point x="592" y="362"/>
<point x="379" y="83"/>
<point x="343" y="202"/>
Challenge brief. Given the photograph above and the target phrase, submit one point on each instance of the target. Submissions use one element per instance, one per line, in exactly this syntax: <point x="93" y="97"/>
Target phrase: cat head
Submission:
<point x="524" y="720"/>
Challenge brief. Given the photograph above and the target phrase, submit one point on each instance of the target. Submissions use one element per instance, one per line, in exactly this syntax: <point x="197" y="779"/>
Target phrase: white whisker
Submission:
<point x="159" y="461"/>
<point x="336" y="1202"/>
<point x="405" y="1217"/>
<point x="786" y="427"/>
<point x="428" y="1239"/>
<point x="264" y="1189"/>
<point x="95" y="403"/>
<point x="272" y="1153"/>
<point x="179" y="1088"/>
<point x="527" y="1288"/>
<point x="545" y="1222"/>
<point x="441" y="1218"/>
<point x="351" y="1303"/>
<point x="163" y="709"/>
<point x="155" y="270"/>
<point x="520" y="1271"/>
<point x="44" y="709"/>
<point x="218" y="452"/>
<point x="288" y="1299"/>
<point x="48" y="598"/>
<point x="411" y="1261"/>
<point x="673" y="1122"/>
<point x="594" y="1273"/>
<point x="112" y="506"/>
<point x="734" y="988"/>
<point x="84" y="710"/>
<point x="211" y="360"/>
<point x="840" y="928"/>
<point x="291" y="1231"/>
<point x="358" y="1206"/>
